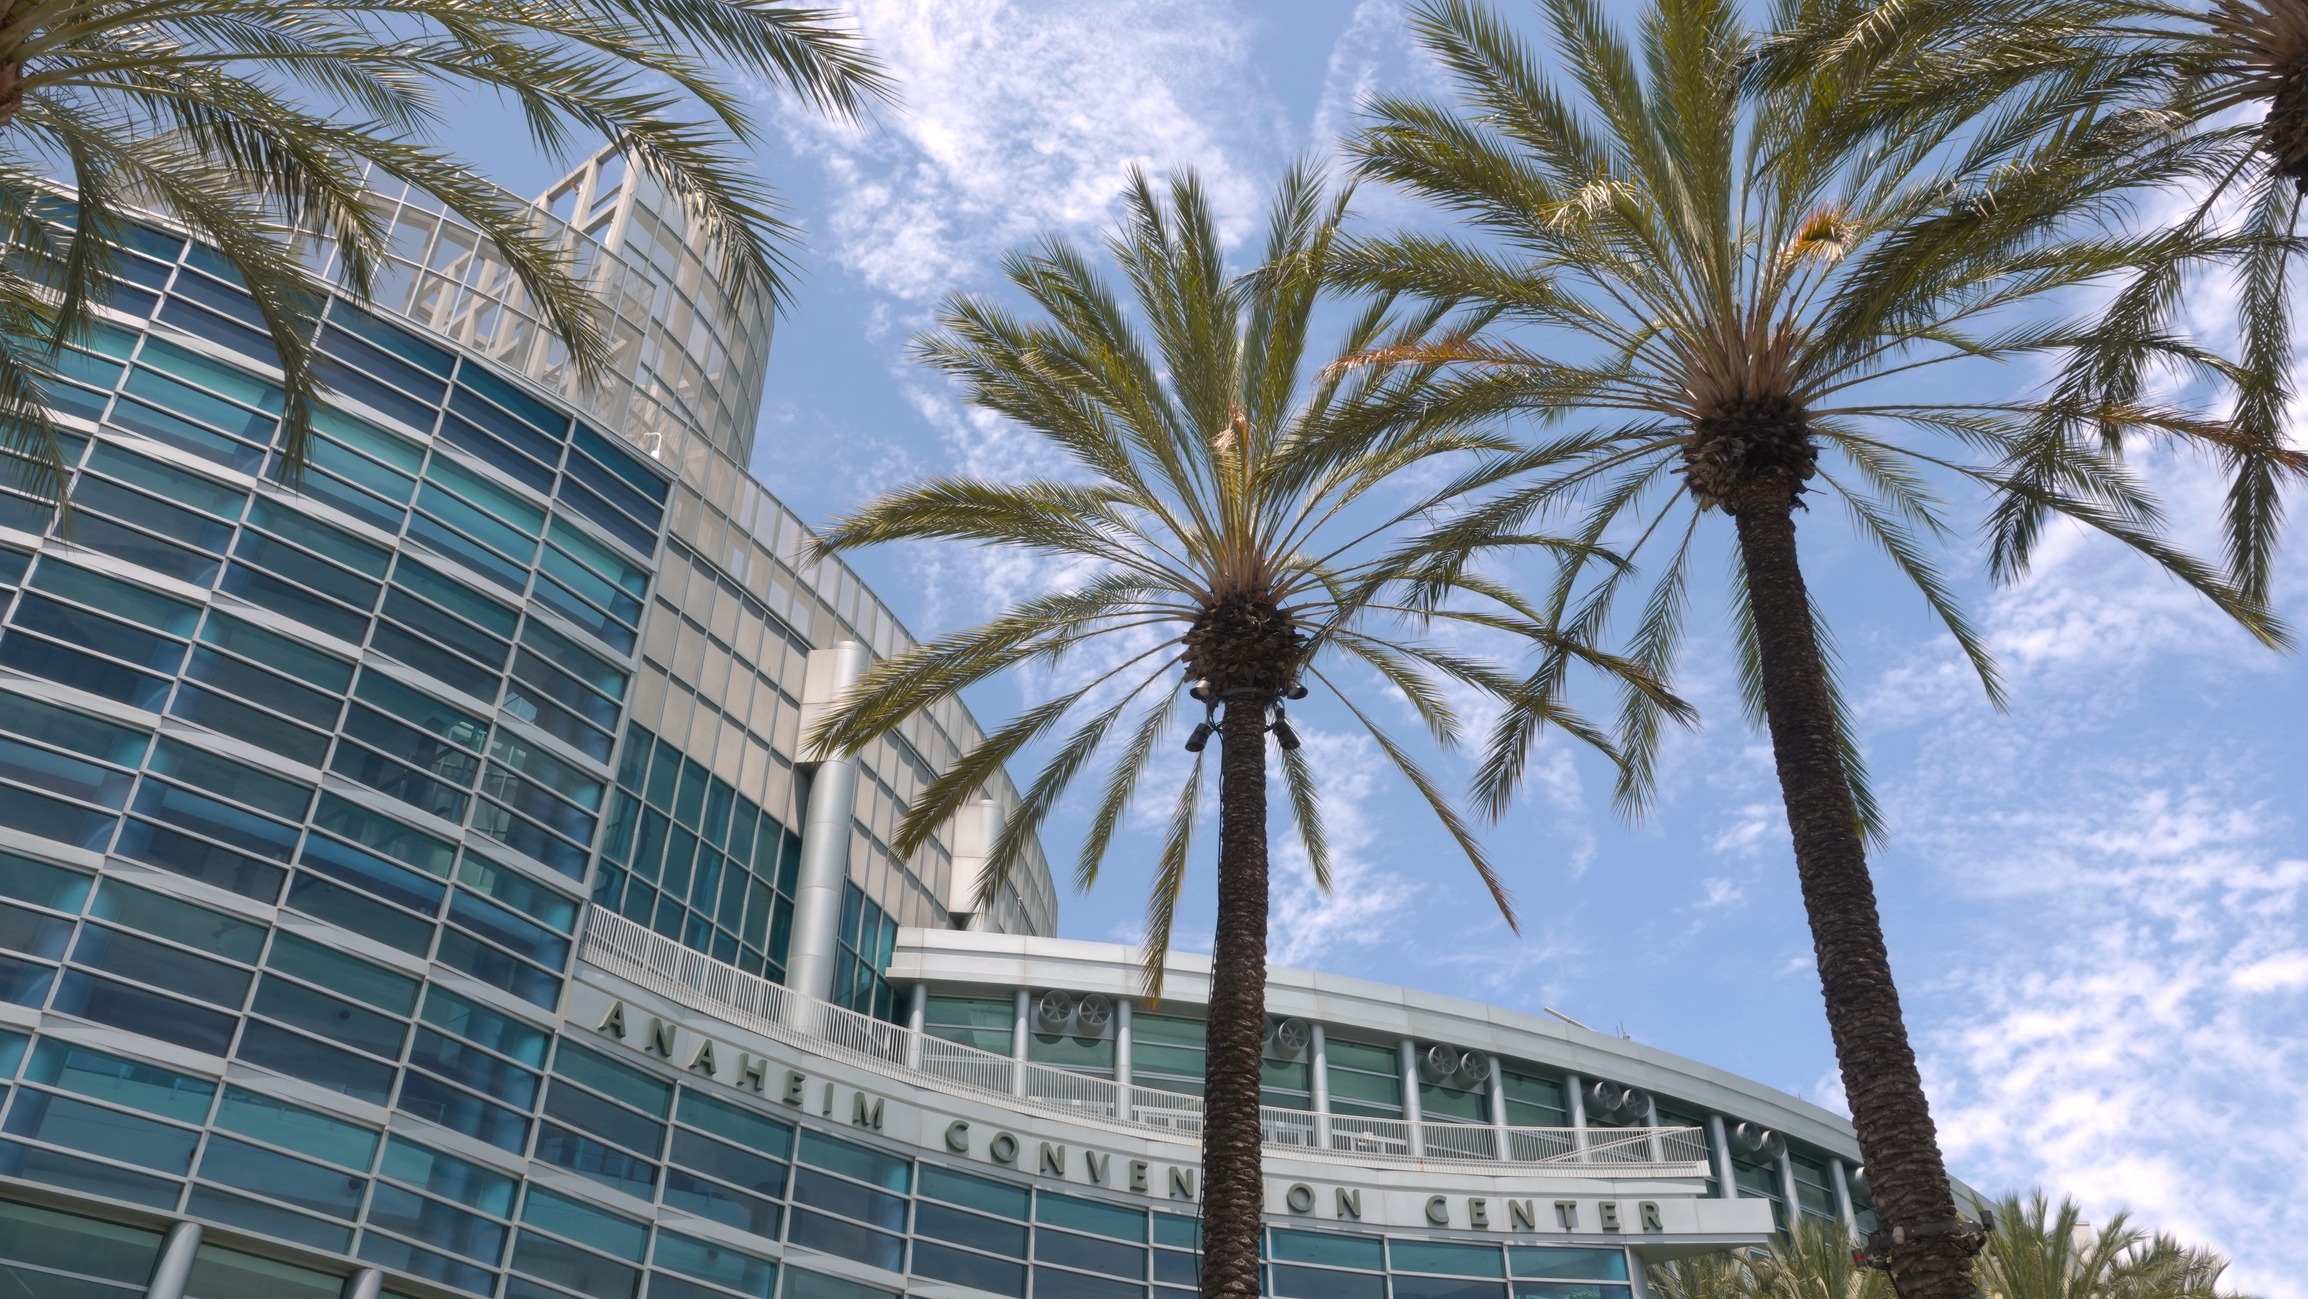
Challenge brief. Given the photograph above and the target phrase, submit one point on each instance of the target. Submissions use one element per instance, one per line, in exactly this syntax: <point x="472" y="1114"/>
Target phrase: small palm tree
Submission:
<point x="1742" y="301"/>
<point x="1231" y="531"/>
<point x="2042" y="1252"/>
<point x="250" y="119"/>
<point x="1812" y="1260"/>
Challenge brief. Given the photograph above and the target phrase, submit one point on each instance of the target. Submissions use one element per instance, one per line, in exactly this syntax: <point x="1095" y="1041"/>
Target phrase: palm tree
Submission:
<point x="1812" y="1260"/>
<point x="1229" y="530"/>
<point x="249" y="120"/>
<point x="1741" y="300"/>
<point x="2213" y="95"/>
<point x="2039" y="1252"/>
<point x="2035" y="1252"/>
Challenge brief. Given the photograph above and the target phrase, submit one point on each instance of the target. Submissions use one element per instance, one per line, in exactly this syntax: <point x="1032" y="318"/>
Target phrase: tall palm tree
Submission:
<point x="2214" y="97"/>
<point x="2042" y="1252"/>
<point x="1230" y="526"/>
<point x="250" y="119"/>
<point x="1733" y="298"/>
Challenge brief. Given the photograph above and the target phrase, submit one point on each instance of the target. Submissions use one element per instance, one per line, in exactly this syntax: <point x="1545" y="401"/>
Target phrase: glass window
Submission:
<point x="610" y="1078"/>
<point x="363" y="436"/>
<point x="978" y="1193"/>
<point x="296" y="1128"/>
<point x="461" y="1180"/>
<point x="501" y="505"/>
<point x="730" y="1164"/>
<point x="1569" y="1264"/>
<point x="498" y="1032"/>
<point x="107" y="1251"/>
<point x="293" y="1181"/>
<point x="220" y="1273"/>
<point x="814" y="1285"/>
<point x="1365" y="1078"/>
<point x="63" y="1121"/>
<point x="356" y="978"/>
<point x="1090" y="1215"/>
<point x="322" y="539"/>
<point x="40" y="883"/>
<point x="1330" y="1249"/>
<point x="32" y="719"/>
<point x="506" y="885"/>
<point x="234" y="780"/>
<point x="455" y="596"/>
<point x="716" y="1263"/>
<point x="354" y="822"/>
<point x="1167" y="1052"/>
<point x="422" y="710"/>
<point x="742" y="1126"/>
<point x="853" y="1160"/>
<point x="279" y="652"/>
<point x="578" y="1221"/>
<point x="210" y="931"/>
<point x="121" y="1081"/>
<point x="1452" y="1260"/>
<point x="162" y="967"/>
<point x="588" y="1274"/>
<point x="230" y="380"/>
<point x="135" y="603"/>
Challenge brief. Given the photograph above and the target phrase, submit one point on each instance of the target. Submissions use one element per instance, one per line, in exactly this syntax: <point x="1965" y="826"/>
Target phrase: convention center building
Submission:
<point x="412" y="881"/>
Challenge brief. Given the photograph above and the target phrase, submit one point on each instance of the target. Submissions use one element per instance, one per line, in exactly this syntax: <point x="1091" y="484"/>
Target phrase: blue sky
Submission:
<point x="2094" y="901"/>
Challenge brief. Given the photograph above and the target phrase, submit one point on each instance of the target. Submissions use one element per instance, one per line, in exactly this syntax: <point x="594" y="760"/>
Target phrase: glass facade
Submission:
<point x="306" y="783"/>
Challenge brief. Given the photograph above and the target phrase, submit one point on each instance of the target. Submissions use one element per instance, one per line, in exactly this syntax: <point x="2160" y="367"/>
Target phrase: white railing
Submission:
<point x="617" y="946"/>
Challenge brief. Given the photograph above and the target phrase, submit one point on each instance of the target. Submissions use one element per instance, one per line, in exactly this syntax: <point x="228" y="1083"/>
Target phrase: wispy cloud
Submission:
<point x="1023" y="117"/>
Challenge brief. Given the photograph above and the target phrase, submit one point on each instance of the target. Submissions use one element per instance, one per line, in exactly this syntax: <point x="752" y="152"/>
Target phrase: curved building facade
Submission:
<point x="412" y="882"/>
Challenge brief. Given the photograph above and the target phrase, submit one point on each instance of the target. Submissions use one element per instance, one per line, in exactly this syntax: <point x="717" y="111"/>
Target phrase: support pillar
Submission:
<point x="1787" y="1189"/>
<point x="1320" y="1048"/>
<point x="1843" y="1207"/>
<point x="1019" y="1010"/>
<point x="1576" y="1088"/>
<point x="1497" y="1086"/>
<point x="825" y="831"/>
<point x="368" y="1283"/>
<point x="1719" y="1144"/>
<point x="1123" y="1109"/>
<point x="1407" y="1051"/>
<point x="177" y="1251"/>
<point x="917" y="1014"/>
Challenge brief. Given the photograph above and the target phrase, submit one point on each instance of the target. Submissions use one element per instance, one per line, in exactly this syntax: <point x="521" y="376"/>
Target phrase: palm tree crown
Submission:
<point x="250" y="119"/>
<point x="2198" y="108"/>
<point x="1238" y="530"/>
<point x="1726" y="293"/>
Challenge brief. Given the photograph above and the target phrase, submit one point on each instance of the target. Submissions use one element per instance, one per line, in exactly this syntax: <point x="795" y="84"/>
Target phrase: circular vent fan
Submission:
<point x="1054" y="1009"/>
<point x="1093" y="1013"/>
<point x="1290" y="1038"/>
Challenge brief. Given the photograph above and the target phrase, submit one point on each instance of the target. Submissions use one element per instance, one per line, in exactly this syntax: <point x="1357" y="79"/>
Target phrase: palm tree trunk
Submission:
<point x="1233" y="1184"/>
<point x="1880" y="1080"/>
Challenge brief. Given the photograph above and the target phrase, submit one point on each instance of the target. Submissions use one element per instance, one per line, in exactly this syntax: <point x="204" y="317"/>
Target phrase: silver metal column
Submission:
<point x="1576" y="1088"/>
<point x="1843" y="1197"/>
<point x="1720" y="1142"/>
<point x="1122" y="1106"/>
<point x="1320" y="1048"/>
<point x="177" y="1252"/>
<point x="917" y="1014"/>
<point x="1787" y="1191"/>
<point x="1019" y="1009"/>
<point x="1407" y="1052"/>
<point x="825" y="833"/>
<point x="1498" y="1099"/>
<point x="367" y="1283"/>
<point x="1651" y="1121"/>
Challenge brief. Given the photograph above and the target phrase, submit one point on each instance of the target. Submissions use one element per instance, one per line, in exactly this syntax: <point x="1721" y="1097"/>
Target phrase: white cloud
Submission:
<point x="1023" y="117"/>
<point x="1365" y="903"/>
